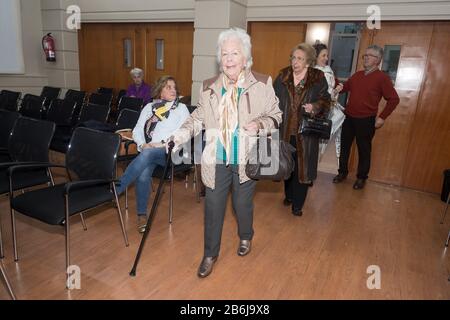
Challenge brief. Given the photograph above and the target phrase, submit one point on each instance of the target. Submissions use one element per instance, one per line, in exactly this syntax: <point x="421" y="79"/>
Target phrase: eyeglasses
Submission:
<point x="370" y="55"/>
<point x="294" y="58"/>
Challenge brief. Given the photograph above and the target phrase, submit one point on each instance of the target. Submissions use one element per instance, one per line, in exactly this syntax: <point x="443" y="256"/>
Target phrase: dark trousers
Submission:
<point x="364" y="130"/>
<point x="293" y="189"/>
<point x="215" y="205"/>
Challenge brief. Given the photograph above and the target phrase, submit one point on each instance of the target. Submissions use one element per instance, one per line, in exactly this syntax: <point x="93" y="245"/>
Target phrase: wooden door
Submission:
<point x="429" y="147"/>
<point x="178" y="48"/>
<point x="272" y="43"/>
<point x="391" y="142"/>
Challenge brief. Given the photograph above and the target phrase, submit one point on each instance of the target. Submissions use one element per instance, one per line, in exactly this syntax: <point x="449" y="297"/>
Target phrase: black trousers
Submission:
<point x="363" y="129"/>
<point x="293" y="189"/>
<point x="227" y="177"/>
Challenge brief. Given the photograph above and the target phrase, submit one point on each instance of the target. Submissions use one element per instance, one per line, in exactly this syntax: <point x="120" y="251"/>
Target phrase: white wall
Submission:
<point x="346" y="10"/>
<point x="34" y="77"/>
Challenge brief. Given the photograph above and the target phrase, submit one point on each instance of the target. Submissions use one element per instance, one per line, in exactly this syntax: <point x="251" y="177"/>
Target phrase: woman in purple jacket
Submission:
<point x="139" y="89"/>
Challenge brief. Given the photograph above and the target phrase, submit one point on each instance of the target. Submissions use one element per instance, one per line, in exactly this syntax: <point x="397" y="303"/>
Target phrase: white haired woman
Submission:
<point x="139" y="89"/>
<point x="232" y="106"/>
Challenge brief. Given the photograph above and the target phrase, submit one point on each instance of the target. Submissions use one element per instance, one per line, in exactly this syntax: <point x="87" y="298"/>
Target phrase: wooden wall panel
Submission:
<point x="272" y="43"/>
<point x="102" y="54"/>
<point x="390" y="144"/>
<point x="429" y="149"/>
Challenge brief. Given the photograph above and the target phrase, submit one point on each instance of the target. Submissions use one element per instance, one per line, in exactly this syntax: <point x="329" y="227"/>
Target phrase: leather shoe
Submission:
<point x="287" y="202"/>
<point x="339" y="178"/>
<point x="244" y="247"/>
<point x="206" y="266"/>
<point x="297" y="212"/>
<point x="359" y="184"/>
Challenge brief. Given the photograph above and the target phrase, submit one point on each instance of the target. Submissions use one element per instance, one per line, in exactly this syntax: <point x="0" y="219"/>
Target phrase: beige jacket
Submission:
<point x="257" y="102"/>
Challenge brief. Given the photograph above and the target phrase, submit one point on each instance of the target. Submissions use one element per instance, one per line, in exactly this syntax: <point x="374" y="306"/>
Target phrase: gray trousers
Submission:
<point x="215" y="206"/>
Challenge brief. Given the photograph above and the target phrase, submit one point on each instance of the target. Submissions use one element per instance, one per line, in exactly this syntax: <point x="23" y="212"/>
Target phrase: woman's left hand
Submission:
<point x="251" y="128"/>
<point x="308" y="107"/>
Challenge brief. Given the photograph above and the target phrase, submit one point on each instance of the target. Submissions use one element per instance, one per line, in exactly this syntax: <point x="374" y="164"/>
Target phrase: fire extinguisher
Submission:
<point x="48" y="45"/>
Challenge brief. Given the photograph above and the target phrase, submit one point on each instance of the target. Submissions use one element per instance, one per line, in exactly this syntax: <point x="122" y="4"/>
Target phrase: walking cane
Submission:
<point x="153" y="210"/>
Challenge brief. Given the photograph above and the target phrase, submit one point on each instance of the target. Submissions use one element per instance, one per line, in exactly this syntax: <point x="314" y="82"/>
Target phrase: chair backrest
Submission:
<point x="127" y="119"/>
<point x="51" y="93"/>
<point x="9" y="100"/>
<point x="130" y="103"/>
<point x="103" y="99"/>
<point x="92" y="111"/>
<point x="103" y="90"/>
<point x="122" y="93"/>
<point x="32" y="106"/>
<point x="7" y="121"/>
<point x="92" y="154"/>
<point x="77" y="96"/>
<point x="30" y="139"/>
<point x="61" y="111"/>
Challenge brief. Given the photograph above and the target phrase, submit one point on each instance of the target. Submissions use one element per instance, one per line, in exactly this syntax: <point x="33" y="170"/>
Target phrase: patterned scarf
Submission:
<point x="228" y="110"/>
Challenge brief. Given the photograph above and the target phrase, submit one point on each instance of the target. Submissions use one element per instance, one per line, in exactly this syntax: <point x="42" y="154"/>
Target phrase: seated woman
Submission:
<point x="152" y="129"/>
<point x="139" y="89"/>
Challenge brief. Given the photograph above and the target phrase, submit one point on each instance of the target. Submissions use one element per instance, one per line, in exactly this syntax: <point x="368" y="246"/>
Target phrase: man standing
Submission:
<point x="366" y="89"/>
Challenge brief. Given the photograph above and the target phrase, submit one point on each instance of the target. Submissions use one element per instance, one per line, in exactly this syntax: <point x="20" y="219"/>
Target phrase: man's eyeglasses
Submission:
<point x="370" y="55"/>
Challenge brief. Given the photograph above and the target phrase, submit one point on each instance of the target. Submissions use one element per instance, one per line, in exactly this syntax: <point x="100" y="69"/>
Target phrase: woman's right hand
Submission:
<point x="338" y="88"/>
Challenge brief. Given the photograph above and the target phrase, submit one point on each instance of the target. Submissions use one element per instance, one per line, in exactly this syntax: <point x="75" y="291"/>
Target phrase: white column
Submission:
<point x="64" y="72"/>
<point x="212" y="17"/>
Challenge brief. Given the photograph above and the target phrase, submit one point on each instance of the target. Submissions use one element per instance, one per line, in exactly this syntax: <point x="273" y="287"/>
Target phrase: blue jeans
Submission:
<point x="141" y="170"/>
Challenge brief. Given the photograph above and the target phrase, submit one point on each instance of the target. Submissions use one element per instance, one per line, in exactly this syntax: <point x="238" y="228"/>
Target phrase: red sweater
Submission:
<point x="366" y="92"/>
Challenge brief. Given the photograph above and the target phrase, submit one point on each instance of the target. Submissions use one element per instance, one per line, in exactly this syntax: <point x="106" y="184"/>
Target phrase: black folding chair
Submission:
<point x="132" y="103"/>
<point x="78" y="97"/>
<point x="91" y="158"/>
<point x="28" y="143"/>
<point x="61" y="111"/>
<point x="32" y="106"/>
<point x="7" y="121"/>
<point x="9" y="100"/>
<point x="103" y="99"/>
<point x="50" y="94"/>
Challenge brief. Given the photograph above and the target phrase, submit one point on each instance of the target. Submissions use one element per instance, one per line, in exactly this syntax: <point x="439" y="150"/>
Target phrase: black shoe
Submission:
<point x="339" y="178"/>
<point x="359" y="184"/>
<point x="287" y="202"/>
<point x="206" y="266"/>
<point x="244" y="247"/>
<point x="297" y="212"/>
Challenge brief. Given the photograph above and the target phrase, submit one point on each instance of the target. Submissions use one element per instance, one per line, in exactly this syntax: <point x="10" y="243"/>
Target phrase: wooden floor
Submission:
<point x="322" y="255"/>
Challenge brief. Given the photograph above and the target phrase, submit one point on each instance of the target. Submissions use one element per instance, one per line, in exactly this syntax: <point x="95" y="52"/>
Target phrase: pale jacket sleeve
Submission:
<point x="271" y="117"/>
<point x="138" y="131"/>
<point x="193" y="124"/>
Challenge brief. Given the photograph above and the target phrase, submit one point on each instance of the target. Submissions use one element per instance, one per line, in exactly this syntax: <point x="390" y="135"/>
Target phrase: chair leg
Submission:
<point x="2" y="254"/>
<point x="83" y="222"/>
<point x="186" y="180"/>
<point x="67" y="234"/>
<point x="446" y="207"/>
<point x="5" y="278"/>
<point x="124" y="232"/>
<point x="448" y="239"/>
<point x="13" y="227"/>
<point x="171" y="195"/>
<point x="126" y="200"/>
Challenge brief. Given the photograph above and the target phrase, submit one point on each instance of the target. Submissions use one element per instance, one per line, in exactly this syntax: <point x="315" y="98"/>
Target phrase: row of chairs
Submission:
<point x="90" y="164"/>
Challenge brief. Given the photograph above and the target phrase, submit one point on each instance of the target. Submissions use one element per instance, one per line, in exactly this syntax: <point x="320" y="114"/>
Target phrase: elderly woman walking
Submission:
<point x="302" y="90"/>
<point x="232" y="106"/>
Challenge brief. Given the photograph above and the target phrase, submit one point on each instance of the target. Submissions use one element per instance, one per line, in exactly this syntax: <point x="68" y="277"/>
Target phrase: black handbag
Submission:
<point x="317" y="127"/>
<point x="267" y="164"/>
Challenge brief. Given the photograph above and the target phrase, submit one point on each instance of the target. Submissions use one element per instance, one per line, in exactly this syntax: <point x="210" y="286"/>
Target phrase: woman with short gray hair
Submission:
<point x="232" y="106"/>
<point x="139" y="89"/>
